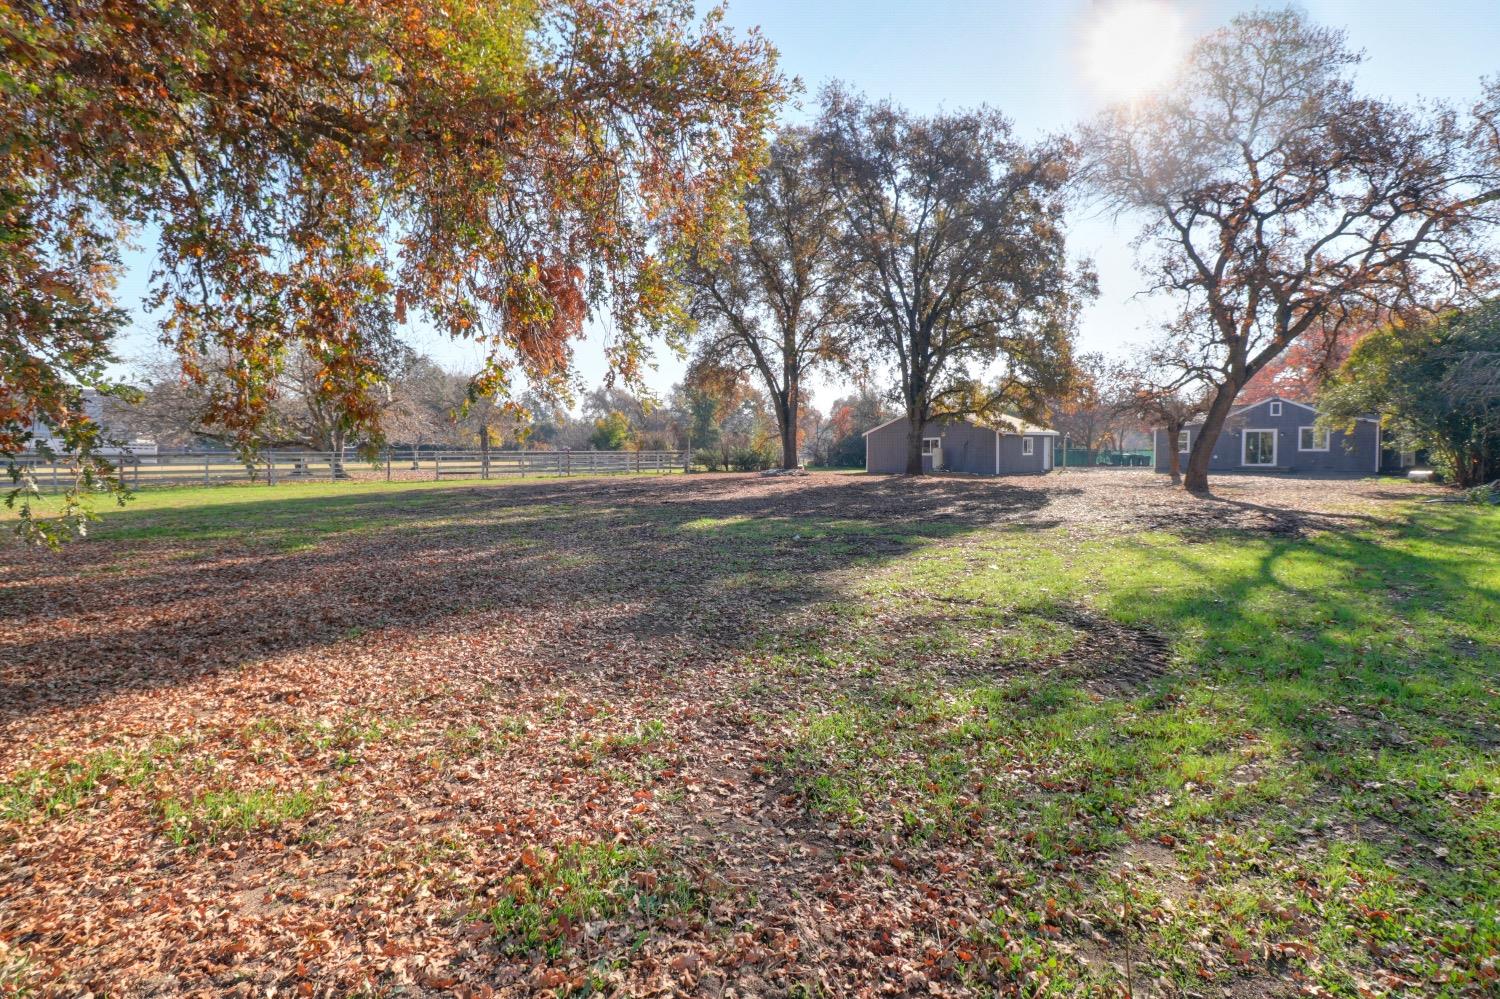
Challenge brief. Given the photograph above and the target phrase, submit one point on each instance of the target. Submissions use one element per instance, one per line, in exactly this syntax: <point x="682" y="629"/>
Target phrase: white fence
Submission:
<point x="281" y="467"/>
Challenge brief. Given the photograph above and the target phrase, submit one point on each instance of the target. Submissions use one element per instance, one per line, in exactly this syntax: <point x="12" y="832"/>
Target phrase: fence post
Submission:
<point x="388" y="458"/>
<point x="437" y="466"/>
<point x="270" y="468"/>
<point x="205" y="469"/>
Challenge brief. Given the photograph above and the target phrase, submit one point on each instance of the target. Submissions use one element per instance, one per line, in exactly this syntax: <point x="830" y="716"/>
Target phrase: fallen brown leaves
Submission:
<point x="233" y="769"/>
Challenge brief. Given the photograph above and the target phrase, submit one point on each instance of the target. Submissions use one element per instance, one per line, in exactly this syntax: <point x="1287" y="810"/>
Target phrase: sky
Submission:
<point x="1046" y="64"/>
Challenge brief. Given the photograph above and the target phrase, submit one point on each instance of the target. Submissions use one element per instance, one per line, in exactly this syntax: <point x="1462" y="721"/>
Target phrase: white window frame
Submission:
<point x="1276" y="407"/>
<point x="1275" y="447"/>
<point x="1184" y="441"/>
<point x="1327" y="438"/>
<point x="931" y="445"/>
<point x="1028" y="446"/>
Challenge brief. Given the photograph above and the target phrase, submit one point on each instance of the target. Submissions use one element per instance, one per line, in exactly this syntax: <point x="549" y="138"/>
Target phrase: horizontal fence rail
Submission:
<point x="397" y="465"/>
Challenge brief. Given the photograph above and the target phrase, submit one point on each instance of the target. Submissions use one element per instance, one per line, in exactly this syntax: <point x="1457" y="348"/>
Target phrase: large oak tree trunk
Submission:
<point x="1196" y="480"/>
<point x="914" y="447"/>
<point x="786" y="418"/>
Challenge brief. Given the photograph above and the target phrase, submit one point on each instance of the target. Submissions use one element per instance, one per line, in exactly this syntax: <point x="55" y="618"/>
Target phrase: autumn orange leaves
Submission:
<point x="314" y="173"/>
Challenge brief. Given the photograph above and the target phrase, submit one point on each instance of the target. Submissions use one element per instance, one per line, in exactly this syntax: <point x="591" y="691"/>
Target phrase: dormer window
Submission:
<point x="1276" y="408"/>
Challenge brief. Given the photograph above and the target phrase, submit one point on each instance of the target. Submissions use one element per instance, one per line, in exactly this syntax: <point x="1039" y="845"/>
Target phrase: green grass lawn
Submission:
<point x="284" y="515"/>
<point x="1323" y="755"/>
<point x="1117" y="761"/>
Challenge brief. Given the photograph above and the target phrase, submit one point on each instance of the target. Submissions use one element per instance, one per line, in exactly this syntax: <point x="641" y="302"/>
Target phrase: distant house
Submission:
<point x="1003" y="446"/>
<point x="1281" y="435"/>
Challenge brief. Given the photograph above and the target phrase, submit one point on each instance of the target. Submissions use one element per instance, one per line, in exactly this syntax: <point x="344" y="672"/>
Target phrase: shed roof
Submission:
<point x="1005" y="423"/>
<point x="1015" y="425"/>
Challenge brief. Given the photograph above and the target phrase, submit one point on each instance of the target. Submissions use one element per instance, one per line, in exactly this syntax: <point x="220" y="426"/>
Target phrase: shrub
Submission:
<point x="611" y="433"/>
<point x="709" y="458"/>
<point x="848" y="451"/>
<point x="748" y="459"/>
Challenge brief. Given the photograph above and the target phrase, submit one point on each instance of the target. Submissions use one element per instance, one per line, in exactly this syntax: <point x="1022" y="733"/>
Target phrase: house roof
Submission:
<point x="1004" y="423"/>
<point x="1273" y="398"/>
<point x="1015" y="425"/>
<point x="1262" y="402"/>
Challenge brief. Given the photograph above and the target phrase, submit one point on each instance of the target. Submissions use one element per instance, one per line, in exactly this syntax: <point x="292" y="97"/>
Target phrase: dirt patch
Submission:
<point x="1104" y="656"/>
<point x="1111" y="658"/>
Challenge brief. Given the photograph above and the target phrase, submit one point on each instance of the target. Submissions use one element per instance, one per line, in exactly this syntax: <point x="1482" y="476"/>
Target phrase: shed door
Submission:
<point x="932" y="453"/>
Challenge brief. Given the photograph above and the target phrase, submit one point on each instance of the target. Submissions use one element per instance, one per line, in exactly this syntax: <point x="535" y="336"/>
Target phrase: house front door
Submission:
<point x="1259" y="447"/>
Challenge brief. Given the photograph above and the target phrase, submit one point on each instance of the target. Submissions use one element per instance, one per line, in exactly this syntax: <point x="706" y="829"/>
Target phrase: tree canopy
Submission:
<point x="500" y="168"/>
<point x="1436" y="384"/>
<point x="776" y="302"/>
<point x="953" y="233"/>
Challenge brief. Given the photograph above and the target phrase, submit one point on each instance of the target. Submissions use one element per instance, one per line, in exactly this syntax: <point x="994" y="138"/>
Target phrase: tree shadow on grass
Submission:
<point x="588" y="583"/>
<point x="1368" y="656"/>
<point x="1333" y="616"/>
<point x="1322" y="665"/>
<point x="166" y="597"/>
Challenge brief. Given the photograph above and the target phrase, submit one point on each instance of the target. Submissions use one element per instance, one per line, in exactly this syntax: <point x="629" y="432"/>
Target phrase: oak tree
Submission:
<point x="1167" y="404"/>
<point x="953" y="237"/>
<point x="1280" y="205"/>
<point x="497" y="170"/>
<point x="1436" y="383"/>
<point x="1089" y="408"/>
<point x="775" y="302"/>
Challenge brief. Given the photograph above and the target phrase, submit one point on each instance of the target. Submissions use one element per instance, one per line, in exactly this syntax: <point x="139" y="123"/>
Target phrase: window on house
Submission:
<point x="1184" y="441"/>
<point x="1275" y="409"/>
<point x="931" y="445"/>
<point x="1312" y="439"/>
<point x="1028" y="445"/>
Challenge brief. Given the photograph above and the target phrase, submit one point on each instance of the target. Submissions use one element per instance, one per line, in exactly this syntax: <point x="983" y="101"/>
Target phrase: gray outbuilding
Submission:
<point x="1005" y="446"/>
<point x="1280" y="435"/>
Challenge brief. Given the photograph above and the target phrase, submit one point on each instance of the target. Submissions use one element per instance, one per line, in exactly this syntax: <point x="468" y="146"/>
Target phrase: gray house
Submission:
<point x="1004" y="446"/>
<point x="1280" y="435"/>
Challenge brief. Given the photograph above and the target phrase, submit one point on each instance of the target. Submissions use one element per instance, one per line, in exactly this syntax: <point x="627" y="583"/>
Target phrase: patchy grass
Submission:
<point x="40" y="793"/>
<point x="286" y="517"/>
<point x="647" y="733"/>
<point x="483" y="739"/>
<point x="555" y="899"/>
<point x="1322" y="755"/>
<point x="209" y="816"/>
<point x="1075" y="736"/>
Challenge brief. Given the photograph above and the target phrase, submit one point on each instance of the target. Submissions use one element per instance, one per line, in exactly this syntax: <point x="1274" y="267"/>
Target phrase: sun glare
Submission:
<point x="1133" y="47"/>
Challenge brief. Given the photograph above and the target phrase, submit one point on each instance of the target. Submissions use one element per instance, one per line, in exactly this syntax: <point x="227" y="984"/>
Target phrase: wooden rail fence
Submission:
<point x="396" y="465"/>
